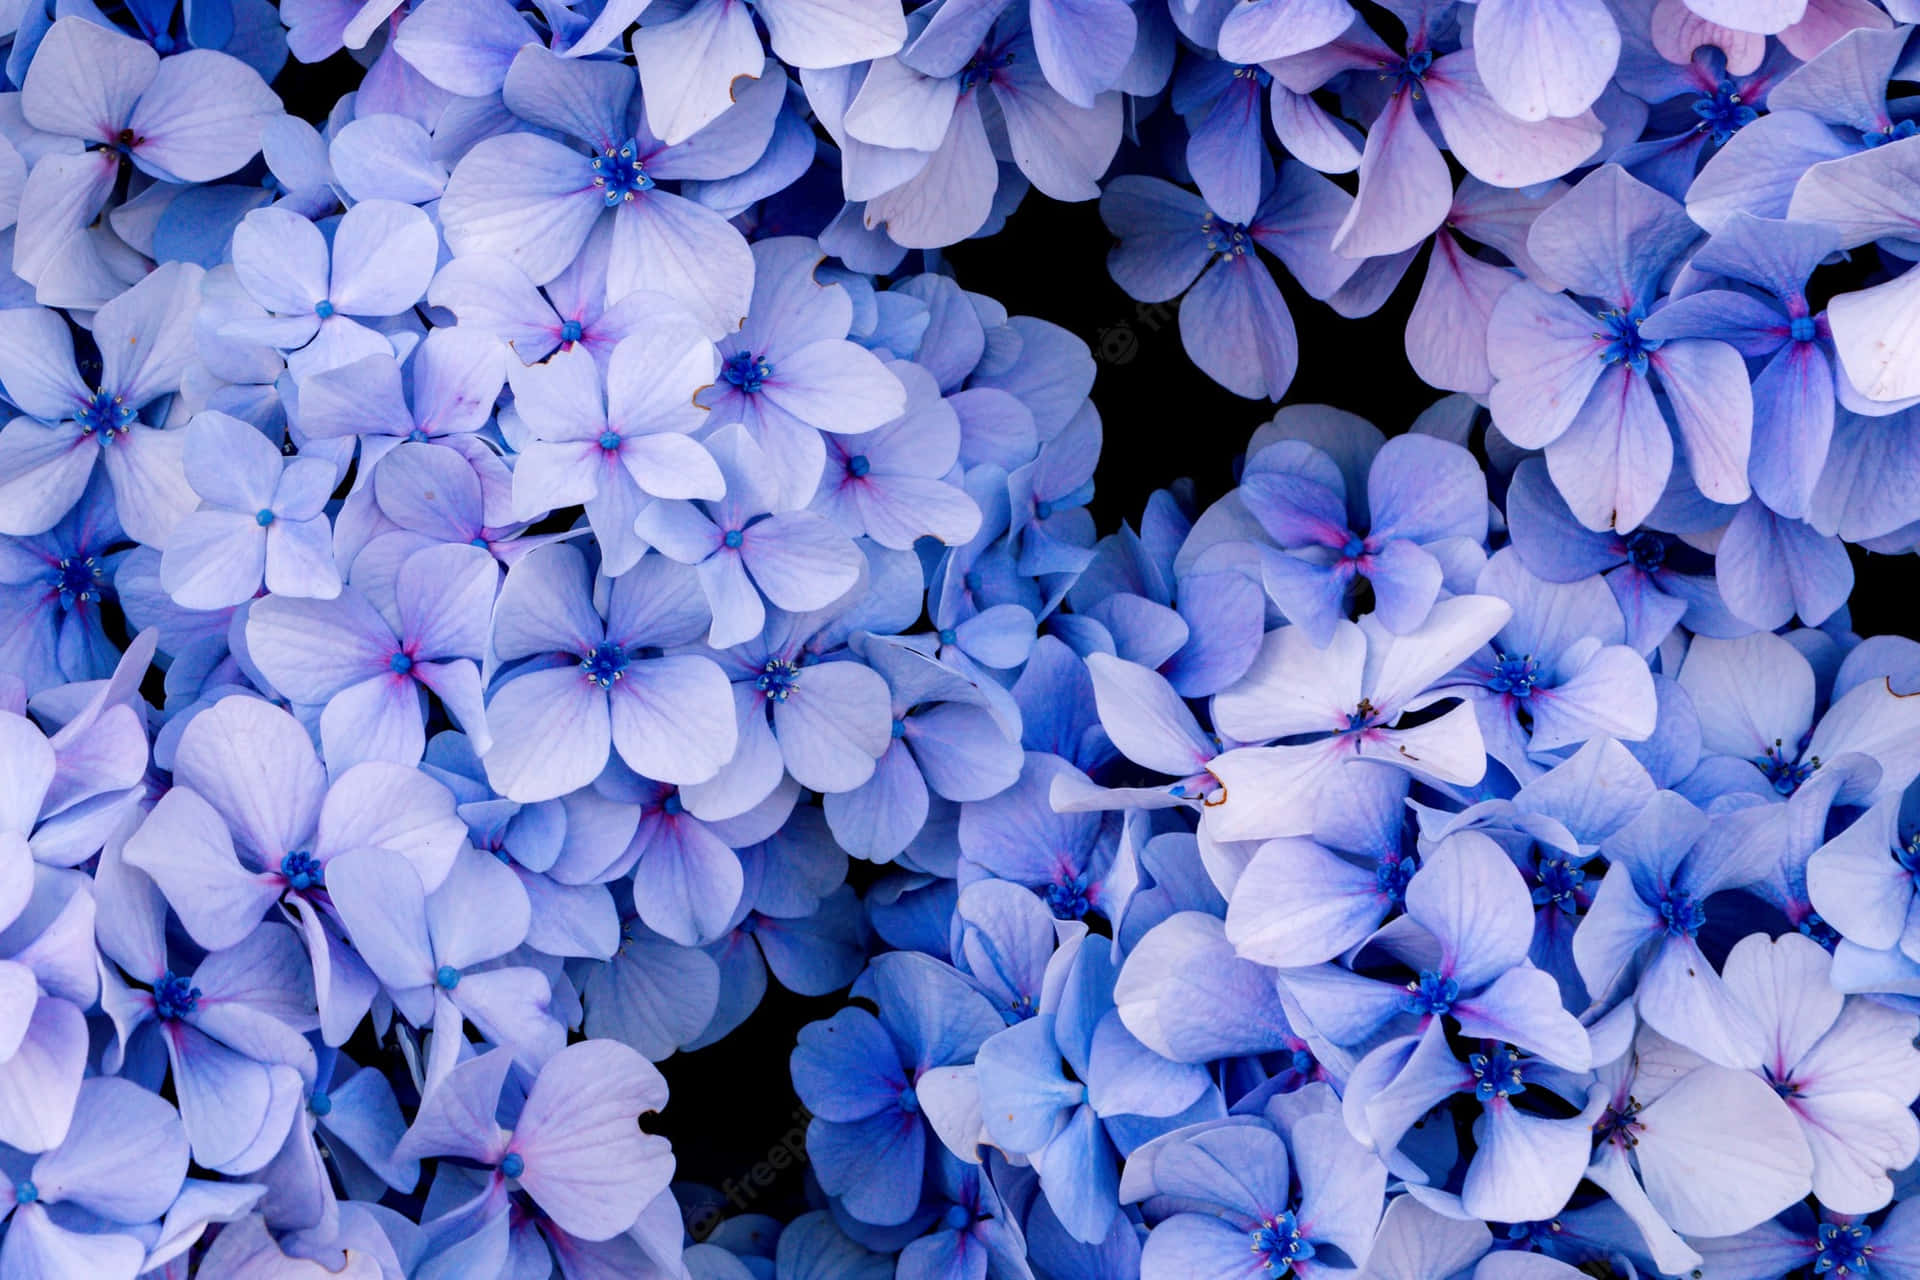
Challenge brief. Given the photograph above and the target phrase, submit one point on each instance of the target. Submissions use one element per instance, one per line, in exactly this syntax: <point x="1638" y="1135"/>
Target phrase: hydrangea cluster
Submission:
<point x="494" y="575"/>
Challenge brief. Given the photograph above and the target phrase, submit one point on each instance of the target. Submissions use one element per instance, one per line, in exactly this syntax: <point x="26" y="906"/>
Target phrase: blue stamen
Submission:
<point x="417" y="436"/>
<point x="1843" y="1249"/>
<point x="1803" y="329"/>
<point x="1226" y="239"/>
<point x="1683" y="916"/>
<point x="320" y="1104"/>
<point x="513" y="1165"/>
<point x="1908" y="856"/>
<point x="263" y="517"/>
<point x="1784" y="773"/>
<point x="1278" y="1244"/>
<point x="909" y="1100"/>
<point x="609" y="441"/>
<point x="400" y="664"/>
<point x="323" y="309"/>
<point x="1499" y="1074"/>
<point x="1892" y="133"/>
<point x="104" y="415"/>
<point x="174" y="997"/>
<point x="1067" y="897"/>
<point x="858" y="465"/>
<point x="948" y="635"/>
<point x="1514" y="675"/>
<point x="1722" y="113"/>
<point x="956" y="1218"/>
<point x="777" y="679"/>
<point x="620" y="174"/>
<point x="1430" y="993"/>
<point x="604" y="664"/>
<point x="24" y="1192"/>
<point x="1624" y="344"/>
<point x="746" y="371"/>
<point x="1647" y="550"/>
<point x="447" y="976"/>
<point x="732" y="539"/>
<point x="1354" y="547"/>
<point x="77" y="579"/>
<point x="1559" y="883"/>
<point x="673" y="805"/>
<point x="302" y="870"/>
<point x="1410" y="73"/>
<point x="1393" y="876"/>
<point x="571" y="331"/>
<point x="979" y="70"/>
<point x="1042" y="510"/>
<point x="899" y="728"/>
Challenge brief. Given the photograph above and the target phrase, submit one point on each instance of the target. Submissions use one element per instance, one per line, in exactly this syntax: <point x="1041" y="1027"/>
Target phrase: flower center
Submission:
<point x="1431" y="993"/>
<point x="1618" y="1125"/>
<point x="24" y="1192"/>
<point x="858" y="465"/>
<point x="1393" y="876"/>
<point x="513" y="1164"/>
<point x="1514" y="675"/>
<point x="746" y="371"/>
<point x="1620" y="329"/>
<point x="1786" y="774"/>
<point x="609" y="441"/>
<point x="980" y="68"/>
<point x="777" y="679"/>
<point x="570" y="331"/>
<point x="1908" y="856"/>
<point x="174" y="997"/>
<point x="1646" y="550"/>
<point x="104" y="414"/>
<point x="1892" y="133"/>
<point x="1259" y="75"/>
<point x="1499" y="1074"/>
<point x="320" y="1104"/>
<point x="1410" y="73"/>
<point x="909" y="1100"/>
<point x="1278" y="1244"/>
<point x="604" y="664"/>
<point x="77" y="579"/>
<point x="323" y="309"/>
<point x="1843" y="1249"/>
<point x="1803" y="329"/>
<point x="1722" y="113"/>
<point x="620" y="174"/>
<point x="447" y="976"/>
<point x="1226" y="239"/>
<point x="263" y="517"/>
<point x="948" y="635"/>
<point x="302" y="870"/>
<point x="400" y="664"/>
<point x="1067" y="897"/>
<point x="1683" y="916"/>
<point x="956" y="1218"/>
<point x="1558" y="882"/>
<point x="1361" y="717"/>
